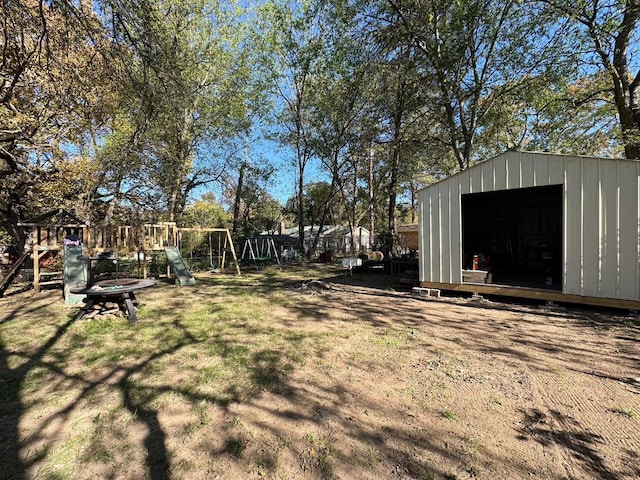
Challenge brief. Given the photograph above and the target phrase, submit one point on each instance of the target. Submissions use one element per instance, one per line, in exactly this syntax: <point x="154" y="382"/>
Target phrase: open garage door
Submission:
<point x="515" y="236"/>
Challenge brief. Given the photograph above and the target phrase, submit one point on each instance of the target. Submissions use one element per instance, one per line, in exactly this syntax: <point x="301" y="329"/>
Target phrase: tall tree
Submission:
<point x="409" y="124"/>
<point x="245" y="189"/>
<point x="319" y="203"/>
<point x="472" y="53"/>
<point x="555" y="113"/>
<point x="52" y="82"/>
<point x="343" y="118"/>
<point x="402" y="107"/>
<point x="189" y="85"/>
<point x="610" y="28"/>
<point x="294" y="43"/>
<point x="205" y="213"/>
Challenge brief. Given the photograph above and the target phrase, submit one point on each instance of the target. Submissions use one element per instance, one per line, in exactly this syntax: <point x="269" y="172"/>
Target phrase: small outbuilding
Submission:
<point x="408" y="236"/>
<point x="536" y="225"/>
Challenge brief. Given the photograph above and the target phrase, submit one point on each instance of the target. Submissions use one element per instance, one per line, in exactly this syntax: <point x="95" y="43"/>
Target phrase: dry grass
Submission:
<point x="250" y="377"/>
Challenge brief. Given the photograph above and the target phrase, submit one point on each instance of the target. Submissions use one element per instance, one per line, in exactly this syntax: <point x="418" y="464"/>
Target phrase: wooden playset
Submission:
<point x="48" y="235"/>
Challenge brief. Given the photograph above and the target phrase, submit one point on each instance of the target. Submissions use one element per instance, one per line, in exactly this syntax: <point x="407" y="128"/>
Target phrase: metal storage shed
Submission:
<point x="536" y="225"/>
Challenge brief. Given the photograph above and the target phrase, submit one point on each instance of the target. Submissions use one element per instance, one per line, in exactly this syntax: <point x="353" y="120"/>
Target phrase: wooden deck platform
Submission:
<point x="533" y="293"/>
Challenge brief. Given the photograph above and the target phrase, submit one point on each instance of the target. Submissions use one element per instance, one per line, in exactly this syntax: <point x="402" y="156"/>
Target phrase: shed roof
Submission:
<point x="410" y="227"/>
<point x="535" y="160"/>
<point x="54" y="217"/>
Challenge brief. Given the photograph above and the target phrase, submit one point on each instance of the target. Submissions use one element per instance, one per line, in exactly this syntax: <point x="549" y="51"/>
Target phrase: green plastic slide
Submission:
<point x="179" y="268"/>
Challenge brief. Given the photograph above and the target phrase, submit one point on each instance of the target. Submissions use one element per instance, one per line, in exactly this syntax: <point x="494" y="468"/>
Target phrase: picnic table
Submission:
<point x="120" y="291"/>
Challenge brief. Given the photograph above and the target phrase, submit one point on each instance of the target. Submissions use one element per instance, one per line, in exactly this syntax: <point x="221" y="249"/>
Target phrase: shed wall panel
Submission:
<point x="556" y="169"/>
<point x="590" y="224"/>
<point x="638" y="232"/>
<point x="445" y="233"/>
<point x="455" y="233"/>
<point x="573" y="247"/>
<point x="541" y="171"/>
<point x="475" y="175"/>
<point x="424" y="235"/>
<point x="464" y="180"/>
<point x="527" y="164"/>
<point x="608" y="226"/>
<point x="628" y="269"/>
<point x="438" y="234"/>
<point x="513" y="171"/>
<point x="488" y="171"/>
<point x="434" y="215"/>
<point x="500" y="173"/>
<point x="424" y="231"/>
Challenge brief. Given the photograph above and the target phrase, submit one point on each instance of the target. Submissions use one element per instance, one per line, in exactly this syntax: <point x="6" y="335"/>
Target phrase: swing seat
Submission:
<point x="263" y="249"/>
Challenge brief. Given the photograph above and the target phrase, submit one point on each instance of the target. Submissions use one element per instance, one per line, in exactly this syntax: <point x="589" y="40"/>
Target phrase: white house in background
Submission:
<point x="547" y="226"/>
<point x="334" y="238"/>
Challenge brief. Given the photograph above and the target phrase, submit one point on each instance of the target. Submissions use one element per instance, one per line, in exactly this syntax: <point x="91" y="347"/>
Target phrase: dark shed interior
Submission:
<point x="515" y="235"/>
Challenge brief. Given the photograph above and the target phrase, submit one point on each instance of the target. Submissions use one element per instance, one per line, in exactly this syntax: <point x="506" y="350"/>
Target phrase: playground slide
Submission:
<point x="8" y="278"/>
<point x="178" y="266"/>
<point x="75" y="273"/>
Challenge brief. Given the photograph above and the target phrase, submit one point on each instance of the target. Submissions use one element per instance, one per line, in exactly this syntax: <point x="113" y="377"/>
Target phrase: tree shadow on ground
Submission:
<point x="572" y="437"/>
<point x="12" y="382"/>
<point x="266" y="370"/>
<point x="270" y="372"/>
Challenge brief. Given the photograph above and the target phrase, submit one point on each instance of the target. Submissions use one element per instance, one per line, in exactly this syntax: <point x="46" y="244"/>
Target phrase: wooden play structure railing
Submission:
<point x="127" y="239"/>
<point x="43" y="239"/>
<point x="123" y="239"/>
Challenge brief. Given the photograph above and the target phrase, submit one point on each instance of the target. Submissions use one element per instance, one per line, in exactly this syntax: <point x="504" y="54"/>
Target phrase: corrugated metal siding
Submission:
<point x="455" y="231"/>
<point x="590" y="226"/>
<point x="608" y="232"/>
<point x="629" y="223"/>
<point x="601" y="237"/>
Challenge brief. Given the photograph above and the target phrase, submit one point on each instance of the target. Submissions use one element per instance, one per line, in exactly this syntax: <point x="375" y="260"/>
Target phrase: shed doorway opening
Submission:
<point x="513" y="237"/>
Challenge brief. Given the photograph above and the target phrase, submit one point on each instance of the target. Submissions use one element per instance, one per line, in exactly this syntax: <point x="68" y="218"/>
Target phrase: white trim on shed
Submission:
<point x="600" y="210"/>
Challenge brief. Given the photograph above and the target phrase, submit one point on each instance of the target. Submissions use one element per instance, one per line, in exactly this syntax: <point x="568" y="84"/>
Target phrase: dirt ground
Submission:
<point x="385" y="385"/>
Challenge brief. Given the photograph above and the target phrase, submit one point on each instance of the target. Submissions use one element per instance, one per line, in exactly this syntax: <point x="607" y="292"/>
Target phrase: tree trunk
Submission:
<point x="300" y="212"/>
<point x="393" y="187"/>
<point x="173" y="199"/>
<point x="372" y="201"/>
<point x="16" y="231"/>
<point x="414" y="200"/>
<point x="626" y="92"/>
<point x="628" y="103"/>
<point x="395" y="155"/>
<point x="238" y="199"/>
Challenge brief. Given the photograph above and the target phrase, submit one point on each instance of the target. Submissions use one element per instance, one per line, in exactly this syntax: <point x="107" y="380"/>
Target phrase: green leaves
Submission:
<point x="154" y="95"/>
<point x="188" y="85"/>
<point x="606" y="31"/>
<point x="54" y="88"/>
<point x="205" y="213"/>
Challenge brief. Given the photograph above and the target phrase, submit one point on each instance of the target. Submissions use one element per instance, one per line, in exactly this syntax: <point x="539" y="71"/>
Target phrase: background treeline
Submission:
<point x="124" y="111"/>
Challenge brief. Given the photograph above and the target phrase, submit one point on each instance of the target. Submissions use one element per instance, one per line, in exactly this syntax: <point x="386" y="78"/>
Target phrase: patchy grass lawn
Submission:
<point x="253" y="377"/>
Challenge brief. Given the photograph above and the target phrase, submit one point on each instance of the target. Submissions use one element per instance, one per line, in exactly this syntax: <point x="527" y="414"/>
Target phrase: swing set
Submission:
<point x="260" y="249"/>
<point x="218" y="240"/>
